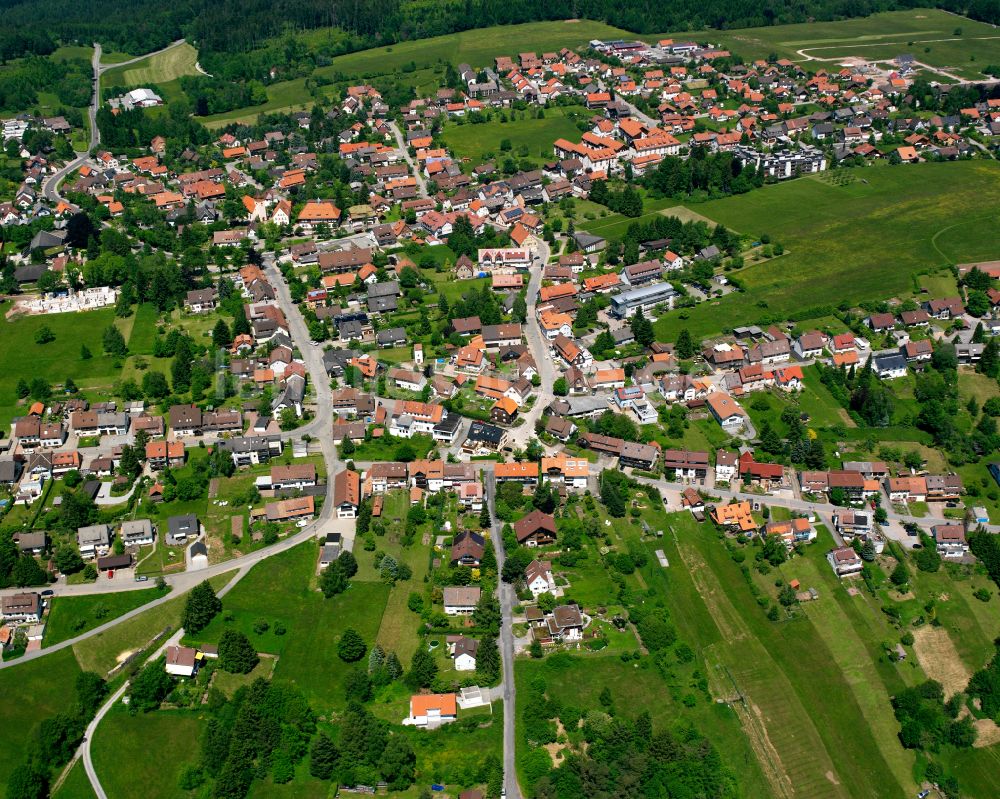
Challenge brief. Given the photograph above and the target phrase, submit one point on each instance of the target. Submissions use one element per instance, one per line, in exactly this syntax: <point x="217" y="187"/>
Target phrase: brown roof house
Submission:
<point x="467" y="549"/>
<point x="535" y="529"/>
<point x="347" y="494"/>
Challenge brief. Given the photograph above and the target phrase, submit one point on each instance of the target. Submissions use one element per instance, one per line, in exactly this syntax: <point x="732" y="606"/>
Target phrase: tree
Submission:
<point x="611" y="496"/>
<point x="68" y="560"/>
<point x="488" y="661"/>
<point x="27" y="781"/>
<point x="236" y="654"/>
<point x="486" y="614"/>
<point x="323" y="757"/>
<point x="221" y="335"/>
<point x="154" y="385"/>
<point x="22" y="390"/>
<point x="642" y="329"/>
<point x="85" y="353"/>
<point x="44" y="335"/>
<point x="347" y="447"/>
<point x="900" y="575"/>
<point x="423" y="670"/>
<point x="397" y="763"/>
<point x="201" y="607"/>
<point x="28" y="572"/>
<point x="989" y="363"/>
<point x="560" y="387"/>
<point x="90" y="691"/>
<point x="351" y="647"/>
<point x="333" y="581"/>
<point x="484" y="516"/>
<point x="684" y="346"/>
<point x="114" y="342"/>
<point x="150" y="687"/>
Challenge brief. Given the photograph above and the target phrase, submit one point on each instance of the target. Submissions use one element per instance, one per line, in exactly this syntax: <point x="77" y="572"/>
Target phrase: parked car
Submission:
<point x="48" y="592"/>
<point x="141" y="578"/>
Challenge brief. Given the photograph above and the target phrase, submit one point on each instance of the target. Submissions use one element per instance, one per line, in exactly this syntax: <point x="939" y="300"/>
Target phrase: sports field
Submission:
<point x="155" y="69"/>
<point x="530" y="138"/>
<point x="866" y="240"/>
<point x="927" y="34"/>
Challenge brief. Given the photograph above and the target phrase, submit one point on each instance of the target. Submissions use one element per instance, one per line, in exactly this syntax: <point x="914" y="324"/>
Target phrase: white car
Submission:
<point x="302" y="523"/>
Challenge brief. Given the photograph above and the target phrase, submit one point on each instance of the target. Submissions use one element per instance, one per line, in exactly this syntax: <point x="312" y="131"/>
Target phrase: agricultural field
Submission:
<point x="866" y="240"/>
<point x="155" y="69"/>
<point x="526" y="139"/>
<point x="927" y="34"/>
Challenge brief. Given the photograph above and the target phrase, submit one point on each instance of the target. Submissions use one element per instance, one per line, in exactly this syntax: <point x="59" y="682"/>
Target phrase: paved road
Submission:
<point x="51" y="189"/>
<point x="401" y="146"/>
<point x="88" y="737"/>
<point x="540" y="351"/>
<point x="506" y="593"/>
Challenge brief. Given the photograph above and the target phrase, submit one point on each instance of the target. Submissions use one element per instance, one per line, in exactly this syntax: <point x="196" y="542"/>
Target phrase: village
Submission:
<point x="343" y="333"/>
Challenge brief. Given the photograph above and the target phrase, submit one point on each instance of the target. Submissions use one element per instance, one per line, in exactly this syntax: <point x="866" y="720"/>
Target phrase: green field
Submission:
<point x="863" y="241"/>
<point x="33" y="691"/>
<point x="76" y="785"/>
<point x="21" y="357"/>
<point x="529" y="138"/>
<point x="123" y="744"/>
<point x="73" y="616"/>
<point x="157" y="69"/>
<point x="283" y="590"/>
<point x="880" y="36"/>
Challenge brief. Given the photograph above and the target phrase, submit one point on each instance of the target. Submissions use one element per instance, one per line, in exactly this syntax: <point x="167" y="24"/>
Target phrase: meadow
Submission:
<point x="155" y="69"/>
<point x="867" y="240"/>
<point x="74" y="615"/>
<point x="530" y="138"/>
<point x="22" y="358"/>
<point x="880" y="36"/>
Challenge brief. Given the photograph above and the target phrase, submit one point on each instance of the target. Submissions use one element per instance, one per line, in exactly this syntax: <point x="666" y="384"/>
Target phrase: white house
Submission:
<point x="463" y="650"/>
<point x="460" y="599"/>
<point x="538" y="578"/>
<point x="182" y="661"/>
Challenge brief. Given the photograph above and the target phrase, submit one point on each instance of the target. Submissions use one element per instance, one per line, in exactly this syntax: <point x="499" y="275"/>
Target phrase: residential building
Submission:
<point x="844" y="561"/>
<point x="460" y="599"/>
<point x="347" y="494"/>
<point x="535" y="529"/>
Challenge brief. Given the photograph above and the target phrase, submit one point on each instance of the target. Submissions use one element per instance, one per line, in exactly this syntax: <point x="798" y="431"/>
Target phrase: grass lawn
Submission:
<point x="144" y="324"/>
<point x="283" y="590"/>
<point x="160" y="68"/>
<point x="36" y="690"/>
<point x="229" y="684"/>
<point x="388" y="447"/>
<point x="72" y="616"/>
<point x="122" y="746"/>
<point x="100" y="653"/>
<point x="21" y="357"/>
<point x="866" y="240"/>
<point x="529" y="138"/>
<point x="76" y="785"/>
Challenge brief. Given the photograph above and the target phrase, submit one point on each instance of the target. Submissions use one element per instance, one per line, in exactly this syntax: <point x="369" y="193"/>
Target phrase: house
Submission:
<point x="161" y="454"/>
<point x="565" y="623"/>
<point x="525" y="473"/>
<point x="252" y="450"/>
<point x="347" y="494"/>
<point x="201" y="300"/>
<point x="686" y="465"/>
<point x="538" y="578"/>
<point x="736" y="517"/>
<point x="791" y="532"/>
<point x="467" y="548"/>
<point x="484" y="437"/>
<point x="570" y="472"/>
<point x="638" y="456"/>
<point x="889" y="365"/>
<point x="185" y="420"/>
<point x="809" y="345"/>
<point x="386" y="475"/>
<point x="950" y="540"/>
<point x="286" y="510"/>
<point x="293" y="476"/>
<point x="431" y="710"/>
<point x="727" y="411"/>
<point x="852" y="522"/>
<point x="535" y="529"/>
<point x="844" y="561"/>
<point x="470" y="495"/>
<point x="24" y="607"/>
<point x="94" y="540"/>
<point x="460" y="599"/>
<point x="182" y="661"/>
<point x="32" y="543"/>
<point x="180" y="528"/>
<point x="112" y="563"/>
<point x="726" y="466"/>
<point x="504" y="411"/>
<point x="463" y="652"/>
<point x="137" y="532"/>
